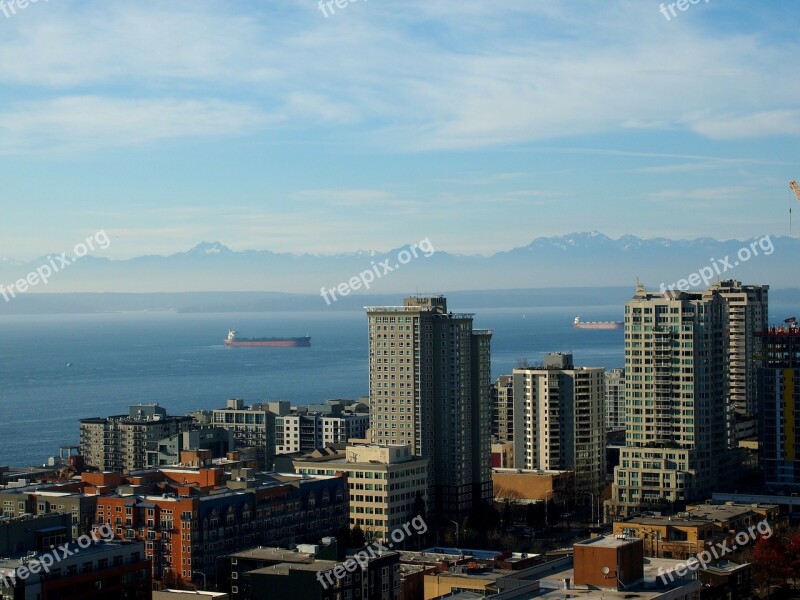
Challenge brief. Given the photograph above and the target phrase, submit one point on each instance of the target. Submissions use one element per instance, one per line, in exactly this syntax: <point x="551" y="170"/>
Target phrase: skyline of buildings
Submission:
<point x="207" y="489"/>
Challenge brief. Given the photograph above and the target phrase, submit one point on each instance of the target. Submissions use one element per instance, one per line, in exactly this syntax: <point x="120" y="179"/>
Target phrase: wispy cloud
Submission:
<point x="92" y="122"/>
<point x="598" y="69"/>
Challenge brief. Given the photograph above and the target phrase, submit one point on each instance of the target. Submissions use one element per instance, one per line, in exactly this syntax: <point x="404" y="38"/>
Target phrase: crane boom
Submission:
<point x="796" y="188"/>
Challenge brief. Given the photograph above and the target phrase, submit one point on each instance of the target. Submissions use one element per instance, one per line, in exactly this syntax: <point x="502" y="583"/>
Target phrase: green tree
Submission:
<point x="357" y="538"/>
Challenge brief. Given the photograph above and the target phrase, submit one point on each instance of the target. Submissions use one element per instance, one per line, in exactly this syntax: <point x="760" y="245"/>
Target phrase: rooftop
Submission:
<point x="284" y="567"/>
<point x="608" y="541"/>
<point x="276" y="554"/>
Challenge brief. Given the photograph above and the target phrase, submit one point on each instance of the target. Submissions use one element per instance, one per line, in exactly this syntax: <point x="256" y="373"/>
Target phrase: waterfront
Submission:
<point x="180" y="362"/>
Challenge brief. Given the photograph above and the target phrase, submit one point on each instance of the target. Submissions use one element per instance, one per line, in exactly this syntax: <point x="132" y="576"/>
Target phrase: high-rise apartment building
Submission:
<point x="559" y="420"/>
<point x="746" y="315"/>
<point x="615" y="399"/>
<point x="429" y="373"/>
<point x="121" y="442"/>
<point x="778" y="392"/>
<point x="502" y="394"/>
<point x="675" y="399"/>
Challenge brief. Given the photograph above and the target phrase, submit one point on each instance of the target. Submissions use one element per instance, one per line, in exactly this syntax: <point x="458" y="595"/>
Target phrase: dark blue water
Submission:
<point x="179" y="361"/>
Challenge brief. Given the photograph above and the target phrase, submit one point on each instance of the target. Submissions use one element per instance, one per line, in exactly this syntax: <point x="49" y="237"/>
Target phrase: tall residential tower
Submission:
<point x="429" y="381"/>
<point x="675" y="398"/>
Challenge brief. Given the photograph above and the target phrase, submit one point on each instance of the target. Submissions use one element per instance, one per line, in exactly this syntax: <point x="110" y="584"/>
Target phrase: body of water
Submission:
<point x="179" y="361"/>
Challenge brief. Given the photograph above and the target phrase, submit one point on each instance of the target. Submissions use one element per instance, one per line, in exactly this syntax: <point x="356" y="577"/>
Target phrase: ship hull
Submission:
<point x="276" y="343"/>
<point x="590" y="325"/>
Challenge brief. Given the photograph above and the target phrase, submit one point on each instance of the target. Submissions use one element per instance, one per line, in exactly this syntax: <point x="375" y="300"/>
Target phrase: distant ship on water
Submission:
<point x="578" y="324"/>
<point x="274" y="342"/>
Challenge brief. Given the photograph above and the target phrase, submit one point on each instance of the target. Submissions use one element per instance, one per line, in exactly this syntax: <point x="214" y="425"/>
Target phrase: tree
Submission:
<point x="357" y="537"/>
<point x="171" y="581"/>
<point x="342" y="536"/>
<point x="770" y="559"/>
<point x="508" y="520"/>
<point x="418" y="510"/>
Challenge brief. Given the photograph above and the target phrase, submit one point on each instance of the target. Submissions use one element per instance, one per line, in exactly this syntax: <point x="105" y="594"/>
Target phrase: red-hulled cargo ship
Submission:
<point x="578" y="324"/>
<point x="284" y="342"/>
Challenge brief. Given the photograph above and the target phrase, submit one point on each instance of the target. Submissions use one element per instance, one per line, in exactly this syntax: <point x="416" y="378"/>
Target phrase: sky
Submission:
<point x="275" y="125"/>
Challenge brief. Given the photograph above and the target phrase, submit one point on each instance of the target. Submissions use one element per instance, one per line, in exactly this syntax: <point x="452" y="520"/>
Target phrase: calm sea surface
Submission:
<point x="179" y="361"/>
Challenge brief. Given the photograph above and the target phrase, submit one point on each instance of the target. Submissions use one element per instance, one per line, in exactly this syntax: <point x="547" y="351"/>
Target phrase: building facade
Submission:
<point x="778" y="391"/>
<point x="746" y="316"/>
<point x="559" y="421"/>
<point x="676" y="435"/>
<point x="308" y="428"/>
<point x="40" y="500"/>
<point x="615" y="399"/>
<point x="385" y="483"/>
<point x="217" y="440"/>
<point x="429" y="374"/>
<point x="186" y="528"/>
<point x="502" y="394"/>
<point x="252" y="426"/>
<point x="97" y="572"/>
<point x="121" y="442"/>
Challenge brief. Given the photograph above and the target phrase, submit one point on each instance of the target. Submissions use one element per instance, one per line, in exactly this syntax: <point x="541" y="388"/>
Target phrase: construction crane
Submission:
<point x="796" y="188"/>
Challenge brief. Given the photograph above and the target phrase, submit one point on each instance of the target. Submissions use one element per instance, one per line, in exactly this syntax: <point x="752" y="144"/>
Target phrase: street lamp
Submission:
<point x="546" y="506"/>
<point x="204" y="577"/>
<point x="592" y="497"/>
<point x="456" y="524"/>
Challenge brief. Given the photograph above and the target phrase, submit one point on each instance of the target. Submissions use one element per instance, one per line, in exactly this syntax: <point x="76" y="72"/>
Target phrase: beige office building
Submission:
<point x="384" y="483"/>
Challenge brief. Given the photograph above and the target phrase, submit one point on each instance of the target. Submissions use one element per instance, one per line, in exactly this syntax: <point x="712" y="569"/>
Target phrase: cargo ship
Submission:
<point x="277" y="342"/>
<point x="578" y="324"/>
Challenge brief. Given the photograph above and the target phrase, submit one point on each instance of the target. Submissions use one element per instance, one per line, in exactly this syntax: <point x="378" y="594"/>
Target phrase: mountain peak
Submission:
<point x="206" y="248"/>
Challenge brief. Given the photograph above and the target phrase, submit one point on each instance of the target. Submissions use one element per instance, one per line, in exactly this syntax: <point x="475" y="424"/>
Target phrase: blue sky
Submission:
<point x="480" y="125"/>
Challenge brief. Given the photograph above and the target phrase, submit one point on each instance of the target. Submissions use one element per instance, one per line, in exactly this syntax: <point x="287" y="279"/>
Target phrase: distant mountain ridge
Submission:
<point x="583" y="259"/>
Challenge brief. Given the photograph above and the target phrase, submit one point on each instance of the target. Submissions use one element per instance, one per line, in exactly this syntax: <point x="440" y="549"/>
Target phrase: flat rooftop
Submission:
<point x="284" y="567"/>
<point x="273" y="554"/>
<point x="456" y="552"/>
<point x="15" y="562"/>
<point x="673" y="520"/>
<point x="608" y="541"/>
